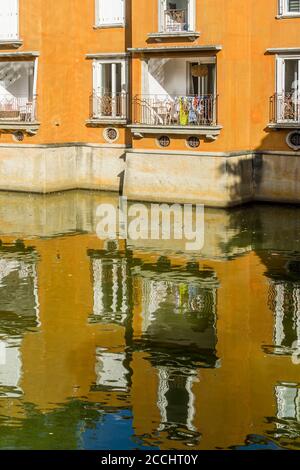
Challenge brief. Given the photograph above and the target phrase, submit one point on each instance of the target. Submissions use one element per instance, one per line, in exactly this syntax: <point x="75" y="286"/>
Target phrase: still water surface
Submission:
<point x="128" y="345"/>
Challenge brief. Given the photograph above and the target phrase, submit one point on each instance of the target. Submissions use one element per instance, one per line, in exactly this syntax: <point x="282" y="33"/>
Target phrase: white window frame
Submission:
<point x="97" y="77"/>
<point x="284" y="12"/>
<point x="17" y="36"/>
<point x="280" y="77"/>
<point x="98" y="23"/>
<point x="162" y="6"/>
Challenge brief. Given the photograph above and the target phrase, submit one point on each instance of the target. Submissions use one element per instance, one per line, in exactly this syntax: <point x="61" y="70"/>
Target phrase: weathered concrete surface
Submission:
<point x="277" y="178"/>
<point x="214" y="180"/>
<point x="50" y="169"/>
<point x="211" y="180"/>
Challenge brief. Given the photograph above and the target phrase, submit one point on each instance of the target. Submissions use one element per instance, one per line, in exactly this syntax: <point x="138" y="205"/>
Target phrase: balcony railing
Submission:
<point x="17" y="109"/>
<point x="165" y="110"/>
<point x="175" y="21"/>
<point x="285" y="108"/>
<point x="109" y="106"/>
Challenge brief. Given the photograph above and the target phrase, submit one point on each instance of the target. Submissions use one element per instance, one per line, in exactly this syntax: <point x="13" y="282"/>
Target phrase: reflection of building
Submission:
<point x="174" y="322"/>
<point x="19" y="311"/>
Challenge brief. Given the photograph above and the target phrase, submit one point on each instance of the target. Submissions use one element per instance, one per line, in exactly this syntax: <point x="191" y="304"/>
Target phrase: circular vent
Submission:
<point x="164" y="141"/>
<point x="293" y="140"/>
<point x="18" y="136"/>
<point x="111" y="134"/>
<point x="193" y="142"/>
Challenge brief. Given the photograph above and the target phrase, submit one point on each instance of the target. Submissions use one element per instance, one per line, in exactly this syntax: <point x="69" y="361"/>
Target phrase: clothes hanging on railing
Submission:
<point x="184" y="112"/>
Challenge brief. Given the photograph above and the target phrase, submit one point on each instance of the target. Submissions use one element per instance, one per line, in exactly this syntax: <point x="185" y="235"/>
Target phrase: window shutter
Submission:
<point x="9" y="19"/>
<point x="111" y="12"/>
<point x="293" y="6"/>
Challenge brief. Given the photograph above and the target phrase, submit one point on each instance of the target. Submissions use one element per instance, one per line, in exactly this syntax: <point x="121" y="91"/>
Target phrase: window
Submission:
<point x="289" y="7"/>
<point x="9" y="20"/>
<point x="176" y="16"/>
<point x="110" y="89"/>
<point x="18" y="90"/>
<point x="110" y="13"/>
<point x="288" y="89"/>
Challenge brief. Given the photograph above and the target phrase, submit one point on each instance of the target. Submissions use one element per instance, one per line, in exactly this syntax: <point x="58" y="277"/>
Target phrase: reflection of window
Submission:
<point x="9" y="20"/>
<point x="10" y="368"/>
<point x="111" y="371"/>
<point x="288" y="402"/>
<point x="287" y="418"/>
<point x="285" y="302"/>
<point x="111" y="290"/>
<point x="110" y="12"/>
<point x="176" y="398"/>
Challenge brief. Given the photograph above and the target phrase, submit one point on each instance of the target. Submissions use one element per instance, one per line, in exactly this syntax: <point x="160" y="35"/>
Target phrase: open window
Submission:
<point x="176" y="16"/>
<point x="287" y="100"/>
<point x="109" y="99"/>
<point x="17" y="91"/>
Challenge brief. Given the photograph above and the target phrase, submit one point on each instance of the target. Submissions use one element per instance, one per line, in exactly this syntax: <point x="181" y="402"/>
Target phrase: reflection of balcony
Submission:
<point x="108" y="108"/>
<point x="176" y="114"/>
<point x="18" y="113"/>
<point x="285" y="110"/>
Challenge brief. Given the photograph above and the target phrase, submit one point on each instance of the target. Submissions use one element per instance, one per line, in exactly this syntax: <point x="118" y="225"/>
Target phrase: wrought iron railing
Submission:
<point x="285" y="108"/>
<point x="164" y="110"/>
<point x="109" y="106"/>
<point x="17" y="108"/>
<point x="175" y="20"/>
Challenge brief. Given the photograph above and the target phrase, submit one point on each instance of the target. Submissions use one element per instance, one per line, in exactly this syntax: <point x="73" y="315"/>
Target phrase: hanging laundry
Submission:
<point x="193" y="118"/>
<point x="184" y="112"/>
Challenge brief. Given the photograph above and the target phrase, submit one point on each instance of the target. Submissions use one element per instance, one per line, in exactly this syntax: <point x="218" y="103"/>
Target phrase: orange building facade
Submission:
<point x="93" y="90"/>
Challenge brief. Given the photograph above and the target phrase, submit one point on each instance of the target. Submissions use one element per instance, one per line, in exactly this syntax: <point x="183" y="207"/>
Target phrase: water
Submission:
<point x="130" y="345"/>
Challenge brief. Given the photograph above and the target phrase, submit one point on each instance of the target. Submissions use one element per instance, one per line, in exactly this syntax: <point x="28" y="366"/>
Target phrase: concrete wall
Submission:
<point x="217" y="180"/>
<point x="44" y="169"/>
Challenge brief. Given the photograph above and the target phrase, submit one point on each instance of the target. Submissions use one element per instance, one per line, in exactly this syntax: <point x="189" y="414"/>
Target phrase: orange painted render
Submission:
<point x="63" y="33"/>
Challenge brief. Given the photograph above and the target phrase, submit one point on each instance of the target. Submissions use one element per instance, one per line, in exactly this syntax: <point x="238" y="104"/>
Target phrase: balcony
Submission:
<point x="18" y="113"/>
<point x="108" y="108"/>
<point x="285" y="110"/>
<point x="174" y="23"/>
<point x="195" y="115"/>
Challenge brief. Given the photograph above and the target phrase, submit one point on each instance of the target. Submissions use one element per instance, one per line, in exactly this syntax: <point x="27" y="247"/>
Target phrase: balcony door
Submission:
<point x="288" y="89"/>
<point x="202" y="79"/>
<point x="176" y="16"/>
<point x="110" y="88"/>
